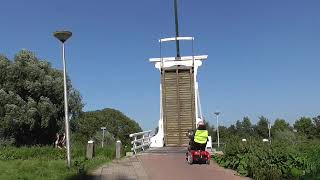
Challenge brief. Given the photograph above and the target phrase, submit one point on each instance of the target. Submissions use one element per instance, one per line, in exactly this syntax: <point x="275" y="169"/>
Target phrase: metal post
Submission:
<point x="177" y="26"/>
<point x="218" y="131"/>
<point x="135" y="145"/>
<point x="217" y="115"/>
<point x="66" y="113"/>
<point x="102" y="137"/>
<point x="63" y="36"/>
<point x="103" y="132"/>
<point x="118" y="149"/>
<point x="142" y="142"/>
<point x="269" y="127"/>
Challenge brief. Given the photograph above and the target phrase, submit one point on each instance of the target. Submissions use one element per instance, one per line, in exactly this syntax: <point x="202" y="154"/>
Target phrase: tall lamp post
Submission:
<point x="269" y="127"/>
<point x="63" y="36"/>
<point x="217" y="115"/>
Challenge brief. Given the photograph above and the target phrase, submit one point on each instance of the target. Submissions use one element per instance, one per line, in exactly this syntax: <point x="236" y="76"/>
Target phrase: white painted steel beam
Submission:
<point x="183" y="58"/>
<point x="176" y="38"/>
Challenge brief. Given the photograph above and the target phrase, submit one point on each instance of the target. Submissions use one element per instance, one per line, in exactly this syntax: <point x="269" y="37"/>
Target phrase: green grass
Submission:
<point x="35" y="169"/>
<point x="48" y="163"/>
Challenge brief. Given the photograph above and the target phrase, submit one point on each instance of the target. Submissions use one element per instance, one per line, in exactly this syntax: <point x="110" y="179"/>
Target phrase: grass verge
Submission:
<point x="33" y="163"/>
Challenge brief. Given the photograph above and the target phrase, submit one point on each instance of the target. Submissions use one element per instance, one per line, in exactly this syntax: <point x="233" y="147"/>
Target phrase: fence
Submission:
<point x="143" y="143"/>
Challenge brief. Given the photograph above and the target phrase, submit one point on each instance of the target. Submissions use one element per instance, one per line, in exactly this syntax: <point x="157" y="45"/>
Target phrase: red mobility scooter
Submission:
<point x="196" y="154"/>
<point x="198" y="157"/>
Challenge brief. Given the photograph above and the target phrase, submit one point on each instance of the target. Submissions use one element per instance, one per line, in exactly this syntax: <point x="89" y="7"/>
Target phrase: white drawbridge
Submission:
<point x="180" y="107"/>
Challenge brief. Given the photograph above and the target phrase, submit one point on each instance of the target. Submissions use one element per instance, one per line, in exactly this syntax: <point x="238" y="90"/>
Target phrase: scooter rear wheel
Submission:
<point x="190" y="159"/>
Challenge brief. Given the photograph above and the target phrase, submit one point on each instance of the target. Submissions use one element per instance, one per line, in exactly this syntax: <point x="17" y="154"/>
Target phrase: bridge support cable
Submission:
<point x="199" y="104"/>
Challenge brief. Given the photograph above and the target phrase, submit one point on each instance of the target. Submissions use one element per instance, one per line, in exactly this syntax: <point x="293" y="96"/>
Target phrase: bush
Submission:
<point x="281" y="160"/>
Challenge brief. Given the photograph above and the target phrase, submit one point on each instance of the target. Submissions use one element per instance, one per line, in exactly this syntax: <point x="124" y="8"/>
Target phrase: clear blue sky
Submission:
<point x="264" y="56"/>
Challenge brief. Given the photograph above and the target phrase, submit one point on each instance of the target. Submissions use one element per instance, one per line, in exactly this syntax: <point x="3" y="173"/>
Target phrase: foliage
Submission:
<point x="31" y="100"/>
<point x="279" y="126"/>
<point x="117" y="124"/>
<point x="316" y="122"/>
<point x="285" y="136"/>
<point x="280" y="160"/>
<point x="305" y="126"/>
<point x="247" y="127"/>
<point x="48" y="162"/>
<point x="261" y="129"/>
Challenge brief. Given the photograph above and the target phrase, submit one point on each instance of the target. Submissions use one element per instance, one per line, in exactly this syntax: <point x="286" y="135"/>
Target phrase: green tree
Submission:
<point x="210" y="129"/>
<point x="223" y="133"/>
<point x="31" y="100"/>
<point x="261" y="129"/>
<point x="305" y="127"/>
<point x="279" y="125"/>
<point x="232" y="130"/>
<point x="247" y="129"/>
<point x="238" y="126"/>
<point x="316" y="122"/>
<point x="117" y="124"/>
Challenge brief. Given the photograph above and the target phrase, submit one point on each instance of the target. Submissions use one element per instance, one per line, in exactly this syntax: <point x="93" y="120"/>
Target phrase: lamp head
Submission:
<point x="63" y="36"/>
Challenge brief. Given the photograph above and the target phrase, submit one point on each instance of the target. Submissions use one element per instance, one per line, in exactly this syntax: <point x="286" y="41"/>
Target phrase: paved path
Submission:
<point x="165" y="164"/>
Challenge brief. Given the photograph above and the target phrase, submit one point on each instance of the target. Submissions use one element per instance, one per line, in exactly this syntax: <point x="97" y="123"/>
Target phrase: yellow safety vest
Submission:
<point x="201" y="136"/>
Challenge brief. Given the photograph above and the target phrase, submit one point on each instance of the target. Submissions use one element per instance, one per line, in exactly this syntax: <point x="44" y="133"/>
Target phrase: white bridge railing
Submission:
<point x="141" y="140"/>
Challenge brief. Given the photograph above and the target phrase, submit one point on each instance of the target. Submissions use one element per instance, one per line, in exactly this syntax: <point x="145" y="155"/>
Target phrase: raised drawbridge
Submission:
<point x="180" y="107"/>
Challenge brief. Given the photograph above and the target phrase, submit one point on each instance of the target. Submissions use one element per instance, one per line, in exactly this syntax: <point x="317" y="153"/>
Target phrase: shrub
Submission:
<point x="280" y="160"/>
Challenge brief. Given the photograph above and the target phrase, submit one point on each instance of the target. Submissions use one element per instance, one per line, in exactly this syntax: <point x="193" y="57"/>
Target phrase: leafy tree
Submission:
<point x="316" y="122"/>
<point x="261" y="129"/>
<point x="232" y="130"/>
<point x="305" y="126"/>
<point x="280" y="125"/>
<point x="210" y="129"/>
<point x="285" y="135"/>
<point x="247" y="129"/>
<point x="117" y="124"/>
<point x="239" y="126"/>
<point x="223" y="133"/>
<point x="31" y="100"/>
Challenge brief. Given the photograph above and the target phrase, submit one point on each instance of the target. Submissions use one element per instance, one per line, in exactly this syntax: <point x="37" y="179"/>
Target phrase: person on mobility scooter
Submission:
<point x="197" y="146"/>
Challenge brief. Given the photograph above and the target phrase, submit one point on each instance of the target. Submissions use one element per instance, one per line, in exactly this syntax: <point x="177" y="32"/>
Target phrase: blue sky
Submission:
<point x="264" y="56"/>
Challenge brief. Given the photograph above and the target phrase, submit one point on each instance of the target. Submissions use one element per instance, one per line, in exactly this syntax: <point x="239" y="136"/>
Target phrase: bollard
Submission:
<point x="90" y="150"/>
<point x="118" y="149"/>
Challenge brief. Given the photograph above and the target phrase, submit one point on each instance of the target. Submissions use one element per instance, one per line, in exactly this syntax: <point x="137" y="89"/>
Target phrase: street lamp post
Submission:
<point x="63" y="36"/>
<point x="103" y="130"/>
<point x="217" y="115"/>
<point x="269" y="127"/>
